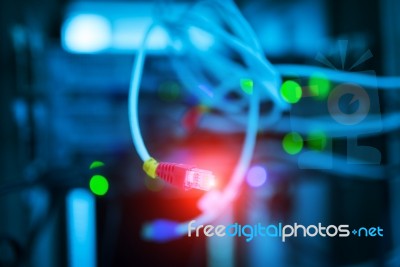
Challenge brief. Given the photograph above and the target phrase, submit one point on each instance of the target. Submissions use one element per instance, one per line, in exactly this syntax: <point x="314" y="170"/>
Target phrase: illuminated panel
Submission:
<point x="107" y="27"/>
<point x="86" y="33"/>
<point x="81" y="228"/>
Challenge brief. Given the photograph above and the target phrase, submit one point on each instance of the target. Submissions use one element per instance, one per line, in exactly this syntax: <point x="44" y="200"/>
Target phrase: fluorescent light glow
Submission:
<point x="86" y="33"/>
<point x="128" y="34"/>
<point x="81" y="228"/>
<point x="201" y="39"/>
<point x="111" y="27"/>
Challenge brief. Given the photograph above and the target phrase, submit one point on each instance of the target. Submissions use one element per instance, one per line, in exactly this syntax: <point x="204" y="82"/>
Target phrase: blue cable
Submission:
<point x="340" y="76"/>
<point x="133" y="99"/>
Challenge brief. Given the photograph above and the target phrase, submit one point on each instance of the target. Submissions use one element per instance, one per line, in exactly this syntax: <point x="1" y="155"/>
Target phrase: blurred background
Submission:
<point x="72" y="190"/>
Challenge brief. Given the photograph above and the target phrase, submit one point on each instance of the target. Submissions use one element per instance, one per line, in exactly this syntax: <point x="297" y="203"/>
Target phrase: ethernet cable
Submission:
<point x="244" y="42"/>
<point x="265" y="77"/>
<point x="180" y="175"/>
<point x="234" y="124"/>
<point x="388" y="83"/>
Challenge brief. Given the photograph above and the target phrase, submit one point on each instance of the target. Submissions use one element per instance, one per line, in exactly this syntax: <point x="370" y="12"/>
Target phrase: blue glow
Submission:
<point x="86" y="33"/>
<point x="128" y="35"/>
<point x="81" y="228"/>
<point x="201" y="39"/>
<point x="256" y="176"/>
<point x="95" y="28"/>
<point x="160" y="230"/>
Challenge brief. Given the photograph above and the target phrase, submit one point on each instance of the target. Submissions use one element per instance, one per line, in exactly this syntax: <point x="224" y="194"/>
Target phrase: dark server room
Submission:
<point x="219" y="133"/>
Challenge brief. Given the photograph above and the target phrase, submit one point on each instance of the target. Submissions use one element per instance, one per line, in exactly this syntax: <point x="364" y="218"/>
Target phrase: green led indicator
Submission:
<point x="247" y="86"/>
<point x="96" y="164"/>
<point x="317" y="140"/>
<point x="98" y="185"/>
<point x="291" y="92"/>
<point x="319" y="86"/>
<point x="292" y="143"/>
<point x="169" y="91"/>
